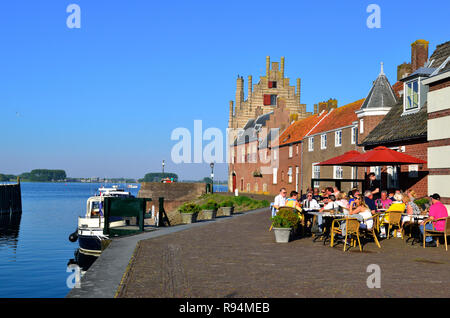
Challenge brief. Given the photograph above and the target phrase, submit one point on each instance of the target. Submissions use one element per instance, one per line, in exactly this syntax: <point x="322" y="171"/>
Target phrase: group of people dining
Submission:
<point x="363" y="206"/>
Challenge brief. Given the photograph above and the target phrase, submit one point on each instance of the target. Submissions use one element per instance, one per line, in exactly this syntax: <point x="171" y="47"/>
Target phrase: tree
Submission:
<point x="158" y="176"/>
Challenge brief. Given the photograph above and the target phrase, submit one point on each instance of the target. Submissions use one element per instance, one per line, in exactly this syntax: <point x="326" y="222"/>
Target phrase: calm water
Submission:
<point x="35" y="252"/>
<point x="34" y="249"/>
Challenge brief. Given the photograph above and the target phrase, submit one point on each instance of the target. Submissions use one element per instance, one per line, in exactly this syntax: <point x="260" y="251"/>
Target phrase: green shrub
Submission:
<point x="279" y="221"/>
<point x="189" y="207"/>
<point x="421" y="202"/>
<point x="242" y="199"/>
<point x="289" y="216"/>
<point x="227" y="203"/>
<point x="210" y="205"/>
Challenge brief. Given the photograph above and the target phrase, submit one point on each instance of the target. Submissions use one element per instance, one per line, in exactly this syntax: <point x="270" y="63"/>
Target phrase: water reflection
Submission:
<point x="9" y="229"/>
<point x="84" y="261"/>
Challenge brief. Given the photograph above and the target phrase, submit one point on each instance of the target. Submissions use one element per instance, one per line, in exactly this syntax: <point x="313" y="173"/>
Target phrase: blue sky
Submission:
<point x="103" y="100"/>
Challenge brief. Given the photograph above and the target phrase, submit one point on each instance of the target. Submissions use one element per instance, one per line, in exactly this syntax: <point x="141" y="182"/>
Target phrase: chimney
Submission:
<point x="250" y="87"/>
<point x="298" y="89"/>
<point x="419" y="54"/>
<point x="267" y="66"/>
<point x="239" y="92"/>
<point x="403" y="70"/>
<point x="316" y="109"/>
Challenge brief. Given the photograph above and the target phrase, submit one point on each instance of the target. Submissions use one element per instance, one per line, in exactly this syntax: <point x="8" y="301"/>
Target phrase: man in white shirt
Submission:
<point x="309" y="203"/>
<point x="279" y="201"/>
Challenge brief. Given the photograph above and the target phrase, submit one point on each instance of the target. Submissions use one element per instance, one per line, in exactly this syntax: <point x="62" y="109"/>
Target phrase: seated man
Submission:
<point x="384" y="202"/>
<point x="330" y="204"/>
<point x="437" y="211"/>
<point x="279" y="201"/>
<point x="309" y="203"/>
<point x="368" y="199"/>
<point x="292" y="202"/>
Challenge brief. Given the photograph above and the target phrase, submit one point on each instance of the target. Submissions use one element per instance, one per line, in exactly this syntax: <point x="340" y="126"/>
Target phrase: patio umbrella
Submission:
<point x="336" y="161"/>
<point x="382" y="156"/>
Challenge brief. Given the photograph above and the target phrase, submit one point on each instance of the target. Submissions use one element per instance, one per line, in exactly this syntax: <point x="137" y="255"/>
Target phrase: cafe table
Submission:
<point x="329" y="216"/>
<point x="414" y="222"/>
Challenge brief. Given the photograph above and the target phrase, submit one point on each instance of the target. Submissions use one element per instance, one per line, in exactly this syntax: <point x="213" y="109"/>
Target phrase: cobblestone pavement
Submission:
<point x="239" y="258"/>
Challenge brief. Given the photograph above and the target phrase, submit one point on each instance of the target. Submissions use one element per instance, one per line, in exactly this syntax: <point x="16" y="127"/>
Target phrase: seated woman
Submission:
<point x="411" y="207"/>
<point x="343" y="203"/>
<point x="361" y="212"/>
<point x="397" y="205"/>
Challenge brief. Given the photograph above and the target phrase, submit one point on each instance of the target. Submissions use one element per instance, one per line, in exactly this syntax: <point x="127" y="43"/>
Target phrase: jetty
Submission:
<point x="10" y="198"/>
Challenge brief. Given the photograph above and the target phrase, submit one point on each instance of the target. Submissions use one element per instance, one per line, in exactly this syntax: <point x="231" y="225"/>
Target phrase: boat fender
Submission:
<point x="73" y="237"/>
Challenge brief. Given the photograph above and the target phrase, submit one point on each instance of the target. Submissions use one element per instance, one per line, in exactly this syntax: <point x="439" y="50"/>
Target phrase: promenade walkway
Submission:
<point x="237" y="257"/>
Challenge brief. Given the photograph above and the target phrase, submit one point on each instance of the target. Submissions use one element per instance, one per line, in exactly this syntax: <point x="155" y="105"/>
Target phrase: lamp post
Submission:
<point x="163" y="164"/>
<point x="212" y="176"/>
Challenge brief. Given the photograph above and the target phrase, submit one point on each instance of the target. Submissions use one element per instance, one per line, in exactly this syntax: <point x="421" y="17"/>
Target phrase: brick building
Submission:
<point x="438" y="122"/>
<point x="404" y="127"/>
<point x="335" y="134"/>
<point x="251" y="158"/>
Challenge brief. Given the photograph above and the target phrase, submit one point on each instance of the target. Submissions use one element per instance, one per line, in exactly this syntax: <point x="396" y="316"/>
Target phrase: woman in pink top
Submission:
<point x="437" y="211"/>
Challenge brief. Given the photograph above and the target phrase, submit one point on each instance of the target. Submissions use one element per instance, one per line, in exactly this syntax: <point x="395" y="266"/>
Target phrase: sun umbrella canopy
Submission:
<point x="382" y="156"/>
<point x="336" y="161"/>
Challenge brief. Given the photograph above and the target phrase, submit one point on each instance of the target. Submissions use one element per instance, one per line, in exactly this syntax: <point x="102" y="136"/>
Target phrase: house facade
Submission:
<point x="438" y="123"/>
<point x="404" y="127"/>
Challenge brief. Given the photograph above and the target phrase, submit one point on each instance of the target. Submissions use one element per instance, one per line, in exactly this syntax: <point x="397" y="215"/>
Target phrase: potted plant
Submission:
<point x="209" y="210"/>
<point x="227" y="207"/>
<point x="189" y="212"/>
<point x="284" y="223"/>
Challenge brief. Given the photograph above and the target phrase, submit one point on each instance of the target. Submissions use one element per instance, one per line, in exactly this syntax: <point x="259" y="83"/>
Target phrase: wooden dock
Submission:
<point x="10" y="198"/>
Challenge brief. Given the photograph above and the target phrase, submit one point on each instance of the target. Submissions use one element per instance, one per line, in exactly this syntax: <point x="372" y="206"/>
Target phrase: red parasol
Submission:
<point x="337" y="161"/>
<point x="382" y="156"/>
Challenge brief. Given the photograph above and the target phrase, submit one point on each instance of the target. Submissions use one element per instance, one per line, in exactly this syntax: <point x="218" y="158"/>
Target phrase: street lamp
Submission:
<point x="212" y="176"/>
<point x="163" y="164"/>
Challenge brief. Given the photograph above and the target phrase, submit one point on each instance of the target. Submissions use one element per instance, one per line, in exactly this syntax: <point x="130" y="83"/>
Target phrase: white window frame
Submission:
<point x="377" y="171"/>
<point x="290" y="175"/>
<point x="354" y="175"/>
<point x="408" y="91"/>
<point x="311" y="144"/>
<point x="354" y="134"/>
<point x="316" y="174"/>
<point x="338" y="138"/>
<point x="361" y="126"/>
<point x="338" y="172"/>
<point x="323" y="141"/>
<point x="291" y="151"/>
<point x="413" y="171"/>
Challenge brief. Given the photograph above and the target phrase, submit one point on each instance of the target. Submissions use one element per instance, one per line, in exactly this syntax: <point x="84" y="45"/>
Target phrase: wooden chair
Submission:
<point x="352" y="230"/>
<point x="434" y="232"/>
<point x="336" y="229"/>
<point x="395" y="218"/>
<point x="372" y="232"/>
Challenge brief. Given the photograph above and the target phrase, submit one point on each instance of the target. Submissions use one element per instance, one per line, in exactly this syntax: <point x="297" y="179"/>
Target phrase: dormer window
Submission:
<point x="412" y="95"/>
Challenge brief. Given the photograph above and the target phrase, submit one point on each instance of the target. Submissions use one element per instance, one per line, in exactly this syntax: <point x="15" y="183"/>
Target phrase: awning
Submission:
<point x="382" y="156"/>
<point x="337" y="161"/>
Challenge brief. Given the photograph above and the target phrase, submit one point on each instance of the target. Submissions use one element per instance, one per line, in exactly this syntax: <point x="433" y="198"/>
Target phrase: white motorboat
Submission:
<point x="89" y="232"/>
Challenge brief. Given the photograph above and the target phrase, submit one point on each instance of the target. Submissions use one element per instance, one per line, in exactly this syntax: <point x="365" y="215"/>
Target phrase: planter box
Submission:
<point x="227" y="211"/>
<point x="188" y="218"/>
<point x="209" y="214"/>
<point x="282" y="235"/>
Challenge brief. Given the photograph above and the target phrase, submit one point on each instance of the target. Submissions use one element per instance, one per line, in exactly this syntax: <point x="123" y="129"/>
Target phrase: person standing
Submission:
<point x="374" y="186"/>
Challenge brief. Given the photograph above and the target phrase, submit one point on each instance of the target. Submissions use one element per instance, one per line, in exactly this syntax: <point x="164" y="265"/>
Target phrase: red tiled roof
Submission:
<point x="397" y="87"/>
<point x="339" y="117"/>
<point x="298" y="129"/>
